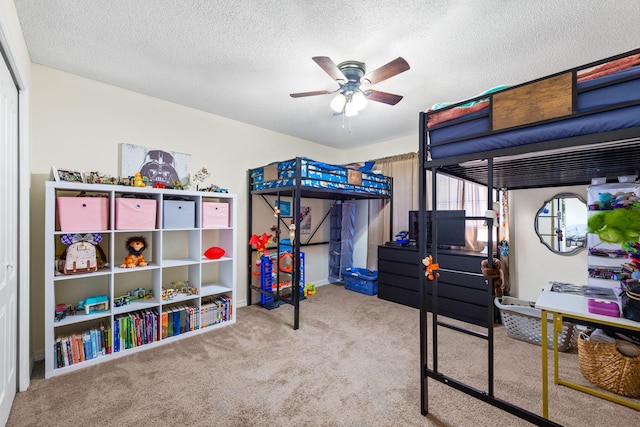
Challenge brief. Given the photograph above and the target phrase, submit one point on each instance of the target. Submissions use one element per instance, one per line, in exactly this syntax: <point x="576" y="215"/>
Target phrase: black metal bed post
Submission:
<point x="490" y="316"/>
<point x="434" y="252"/>
<point x="295" y="263"/>
<point x="390" y="208"/>
<point x="249" y="234"/>
<point x="422" y="251"/>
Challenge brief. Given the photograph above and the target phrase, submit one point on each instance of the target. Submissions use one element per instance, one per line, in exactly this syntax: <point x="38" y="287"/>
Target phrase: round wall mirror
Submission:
<point x="561" y="224"/>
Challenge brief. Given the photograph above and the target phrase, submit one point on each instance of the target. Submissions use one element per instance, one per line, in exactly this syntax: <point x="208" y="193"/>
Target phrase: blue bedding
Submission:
<point x="322" y="176"/>
<point x="587" y="100"/>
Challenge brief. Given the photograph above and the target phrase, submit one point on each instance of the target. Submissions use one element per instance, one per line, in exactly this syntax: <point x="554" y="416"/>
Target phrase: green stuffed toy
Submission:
<point x="616" y="226"/>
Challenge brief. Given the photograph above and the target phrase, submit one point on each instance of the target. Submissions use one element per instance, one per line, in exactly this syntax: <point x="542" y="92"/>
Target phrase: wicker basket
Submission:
<point x="523" y="322"/>
<point x="603" y="365"/>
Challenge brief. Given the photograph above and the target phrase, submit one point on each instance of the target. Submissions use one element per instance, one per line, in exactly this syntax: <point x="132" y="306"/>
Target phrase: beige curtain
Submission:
<point x="405" y="173"/>
<point x="453" y="193"/>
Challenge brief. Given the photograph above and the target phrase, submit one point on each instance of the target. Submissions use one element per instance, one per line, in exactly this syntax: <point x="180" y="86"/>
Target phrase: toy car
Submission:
<point x="61" y="312"/>
<point x="402" y="238"/>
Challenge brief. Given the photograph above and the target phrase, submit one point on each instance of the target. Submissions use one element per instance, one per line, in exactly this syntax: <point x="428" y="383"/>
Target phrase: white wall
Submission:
<point x="532" y="264"/>
<point x="79" y="123"/>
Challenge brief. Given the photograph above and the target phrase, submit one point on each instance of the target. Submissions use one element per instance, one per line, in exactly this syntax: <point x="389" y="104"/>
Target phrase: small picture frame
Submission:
<point x="67" y="175"/>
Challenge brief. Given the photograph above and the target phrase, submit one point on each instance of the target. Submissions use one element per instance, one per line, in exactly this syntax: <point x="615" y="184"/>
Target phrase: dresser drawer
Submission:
<point x="400" y="268"/>
<point x="399" y="295"/>
<point x="460" y="262"/>
<point x="468" y="280"/>
<point x="398" y="254"/>
<point x="399" y="281"/>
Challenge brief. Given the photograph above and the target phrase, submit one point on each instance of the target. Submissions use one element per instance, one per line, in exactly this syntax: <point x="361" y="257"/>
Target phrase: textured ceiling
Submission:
<point x="240" y="59"/>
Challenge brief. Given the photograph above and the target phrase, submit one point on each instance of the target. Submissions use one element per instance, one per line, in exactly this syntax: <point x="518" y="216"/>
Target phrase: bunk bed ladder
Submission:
<point x="433" y="372"/>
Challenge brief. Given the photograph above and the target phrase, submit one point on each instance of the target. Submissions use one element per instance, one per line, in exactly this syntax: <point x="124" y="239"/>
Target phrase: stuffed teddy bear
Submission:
<point x="494" y="272"/>
<point x="431" y="268"/>
<point x="135" y="246"/>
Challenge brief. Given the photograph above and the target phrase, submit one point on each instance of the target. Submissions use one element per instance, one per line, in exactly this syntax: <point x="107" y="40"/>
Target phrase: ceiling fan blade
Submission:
<point x="379" y="96"/>
<point x="388" y="70"/>
<point x="317" y="92"/>
<point x="330" y="68"/>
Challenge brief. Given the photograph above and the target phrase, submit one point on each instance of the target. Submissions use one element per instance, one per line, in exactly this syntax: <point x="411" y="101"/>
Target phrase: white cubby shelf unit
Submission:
<point x="180" y="283"/>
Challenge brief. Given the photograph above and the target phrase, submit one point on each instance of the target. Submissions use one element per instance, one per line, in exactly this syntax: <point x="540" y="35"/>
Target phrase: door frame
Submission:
<point x="14" y="49"/>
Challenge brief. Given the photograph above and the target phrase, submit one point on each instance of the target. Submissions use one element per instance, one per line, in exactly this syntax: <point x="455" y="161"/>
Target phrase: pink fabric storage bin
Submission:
<point x="215" y="215"/>
<point x="83" y="213"/>
<point x="135" y="214"/>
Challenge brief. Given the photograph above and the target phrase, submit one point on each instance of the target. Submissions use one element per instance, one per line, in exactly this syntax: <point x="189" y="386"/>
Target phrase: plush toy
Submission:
<point x="135" y="245"/>
<point x="431" y="268"/>
<point x="260" y="243"/>
<point x="138" y="181"/>
<point x="494" y="272"/>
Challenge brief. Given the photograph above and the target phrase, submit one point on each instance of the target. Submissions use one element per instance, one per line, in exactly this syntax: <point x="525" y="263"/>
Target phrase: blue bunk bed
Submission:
<point x="299" y="178"/>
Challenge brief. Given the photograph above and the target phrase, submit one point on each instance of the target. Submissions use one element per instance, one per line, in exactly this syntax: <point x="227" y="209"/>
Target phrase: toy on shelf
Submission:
<point x="135" y="245"/>
<point x="138" y="181"/>
<point x="98" y="178"/>
<point x="402" y="238"/>
<point x="214" y="252"/>
<point x="94" y="304"/>
<point x="133" y="295"/>
<point x="121" y="301"/>
<point x="180" y="287"/>
<point x="200" y="176"/>
<point x="63" y="310"/>
<point x="214" y="189"/>
<point x="80" y="254"/>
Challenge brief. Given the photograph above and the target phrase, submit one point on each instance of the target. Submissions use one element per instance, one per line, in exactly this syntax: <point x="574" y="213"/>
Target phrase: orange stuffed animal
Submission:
<point x="135" y="245"/>
<point x="431" y="268"/>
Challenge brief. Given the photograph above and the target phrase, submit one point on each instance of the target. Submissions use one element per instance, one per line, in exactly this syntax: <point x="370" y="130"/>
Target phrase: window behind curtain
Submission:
<point x="453" y="193"/>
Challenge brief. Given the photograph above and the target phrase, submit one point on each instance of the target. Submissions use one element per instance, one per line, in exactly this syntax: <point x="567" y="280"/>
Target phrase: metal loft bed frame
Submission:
<point x="560" y="161"/>
<point x="298" y="189"/>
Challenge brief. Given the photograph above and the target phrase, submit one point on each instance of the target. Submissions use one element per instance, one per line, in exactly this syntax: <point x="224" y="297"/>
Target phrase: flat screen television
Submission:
<point x="451" y="227"/>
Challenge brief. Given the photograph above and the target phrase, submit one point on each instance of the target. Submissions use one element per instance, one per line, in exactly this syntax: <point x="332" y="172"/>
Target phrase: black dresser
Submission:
<point x="462" y="290"/>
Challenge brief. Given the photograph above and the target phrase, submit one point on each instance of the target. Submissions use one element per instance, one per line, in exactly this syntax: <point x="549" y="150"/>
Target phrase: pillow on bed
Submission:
<point x="461" y="110"/>
<point x="470" y="103"/>
<point x="609" y="68"/>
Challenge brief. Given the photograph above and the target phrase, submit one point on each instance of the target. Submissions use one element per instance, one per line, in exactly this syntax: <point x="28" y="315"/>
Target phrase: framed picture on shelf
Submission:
<point x="159" y="166"/>
<point x="67" y="175"/>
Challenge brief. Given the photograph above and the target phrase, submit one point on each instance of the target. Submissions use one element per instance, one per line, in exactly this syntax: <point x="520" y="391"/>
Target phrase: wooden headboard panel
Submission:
<point x="545" y="99"/>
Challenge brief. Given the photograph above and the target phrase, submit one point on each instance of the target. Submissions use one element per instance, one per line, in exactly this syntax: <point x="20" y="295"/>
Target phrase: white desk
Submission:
<point x="573" y="307"/>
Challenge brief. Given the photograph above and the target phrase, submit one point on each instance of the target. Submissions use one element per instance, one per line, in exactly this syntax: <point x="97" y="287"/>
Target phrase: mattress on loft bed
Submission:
<point x="319" y="175"/>
<point x="626" y="91"/>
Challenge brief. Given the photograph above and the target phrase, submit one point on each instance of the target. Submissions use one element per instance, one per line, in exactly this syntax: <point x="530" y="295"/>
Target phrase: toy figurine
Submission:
<point x="137" y="180"/>
<point x="260" y="243"/>
<point x="135" y="245"/>
<point x="431" y="268"/>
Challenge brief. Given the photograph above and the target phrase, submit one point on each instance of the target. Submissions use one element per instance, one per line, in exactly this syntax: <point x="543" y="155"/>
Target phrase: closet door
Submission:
<point x="8" y="239"/>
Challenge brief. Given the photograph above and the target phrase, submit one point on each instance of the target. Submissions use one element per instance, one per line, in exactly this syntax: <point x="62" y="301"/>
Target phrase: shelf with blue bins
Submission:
<point x="360" y="280"/>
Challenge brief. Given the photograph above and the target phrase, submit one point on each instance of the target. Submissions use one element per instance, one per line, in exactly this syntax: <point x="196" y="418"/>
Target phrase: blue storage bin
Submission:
<point x="360" y="280"/>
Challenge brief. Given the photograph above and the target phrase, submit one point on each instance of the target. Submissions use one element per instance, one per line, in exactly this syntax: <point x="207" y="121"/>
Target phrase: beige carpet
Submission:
<point x="353" y="362"/>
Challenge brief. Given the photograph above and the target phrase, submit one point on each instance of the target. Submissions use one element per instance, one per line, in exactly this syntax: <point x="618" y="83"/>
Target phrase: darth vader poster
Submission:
<point x="168" y="168"/>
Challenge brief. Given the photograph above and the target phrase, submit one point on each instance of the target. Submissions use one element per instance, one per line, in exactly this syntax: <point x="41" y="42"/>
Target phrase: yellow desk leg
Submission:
<point x="543" y="339"/>
<point x="557" y="328"/>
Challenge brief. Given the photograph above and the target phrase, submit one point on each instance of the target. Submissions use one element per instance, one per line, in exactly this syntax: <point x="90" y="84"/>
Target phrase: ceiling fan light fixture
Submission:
<point x="359" y="100"/>
<point x="337" y="103"/>
<point x="350" y="109"/>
